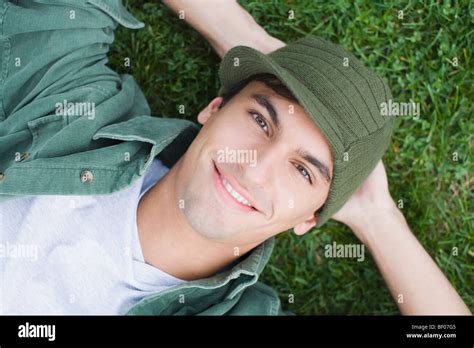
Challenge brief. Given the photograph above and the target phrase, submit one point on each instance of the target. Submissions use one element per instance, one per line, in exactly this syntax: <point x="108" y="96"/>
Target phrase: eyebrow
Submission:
<point x="321" y="167"/>
<point x="264" y="101"/>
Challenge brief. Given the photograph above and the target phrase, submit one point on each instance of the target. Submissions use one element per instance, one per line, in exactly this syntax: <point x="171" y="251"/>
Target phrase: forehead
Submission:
<point x="286" y="107"/>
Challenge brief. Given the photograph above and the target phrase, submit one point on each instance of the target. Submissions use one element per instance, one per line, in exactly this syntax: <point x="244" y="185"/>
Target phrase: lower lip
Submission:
<point x="227" y="197"/>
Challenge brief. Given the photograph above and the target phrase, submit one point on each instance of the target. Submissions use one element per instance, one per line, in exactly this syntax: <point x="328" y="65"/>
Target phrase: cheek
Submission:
<point x="236" y="133"/>
<point x="298" y="203"/>
<point x="290" y="213"/>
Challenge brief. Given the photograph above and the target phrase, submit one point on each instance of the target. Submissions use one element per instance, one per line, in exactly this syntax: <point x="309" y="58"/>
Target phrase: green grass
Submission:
<point x="175" y="66"/>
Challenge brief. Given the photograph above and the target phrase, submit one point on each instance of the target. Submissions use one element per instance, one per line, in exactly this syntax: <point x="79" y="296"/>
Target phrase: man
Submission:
<point x="107" y="210"/>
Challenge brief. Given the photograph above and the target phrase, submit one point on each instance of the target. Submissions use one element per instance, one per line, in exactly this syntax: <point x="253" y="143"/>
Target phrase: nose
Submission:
<point x="266" y="170"/>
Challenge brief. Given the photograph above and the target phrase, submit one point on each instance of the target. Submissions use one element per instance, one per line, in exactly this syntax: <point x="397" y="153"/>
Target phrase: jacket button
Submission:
<point x="2" y="176"/>
<point x="86" y="176"/>
<point x="24" y="156"/>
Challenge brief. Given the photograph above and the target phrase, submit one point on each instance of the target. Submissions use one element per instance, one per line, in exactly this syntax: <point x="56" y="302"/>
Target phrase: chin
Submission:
<point x="207" y="226"/>
<point x="205" y="218"/>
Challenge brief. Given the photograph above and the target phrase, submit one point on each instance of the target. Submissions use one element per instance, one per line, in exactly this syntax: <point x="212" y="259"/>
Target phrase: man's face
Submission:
<point x="242" y="157"/>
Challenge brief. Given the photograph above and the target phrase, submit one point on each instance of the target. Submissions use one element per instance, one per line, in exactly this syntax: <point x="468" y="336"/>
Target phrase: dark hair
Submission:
<point x="270" y="80"/>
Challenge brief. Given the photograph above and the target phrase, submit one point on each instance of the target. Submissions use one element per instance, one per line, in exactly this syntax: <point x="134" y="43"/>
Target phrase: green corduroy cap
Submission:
<point x="342" y="96"/>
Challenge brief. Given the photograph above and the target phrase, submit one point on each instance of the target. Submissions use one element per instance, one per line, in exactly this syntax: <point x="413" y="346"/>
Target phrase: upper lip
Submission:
<point x="235" y="185"/>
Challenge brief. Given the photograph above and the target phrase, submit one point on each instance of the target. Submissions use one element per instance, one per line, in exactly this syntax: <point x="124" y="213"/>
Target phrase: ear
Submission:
<point x="212" y="107"/>
<point x="305" y="226"/>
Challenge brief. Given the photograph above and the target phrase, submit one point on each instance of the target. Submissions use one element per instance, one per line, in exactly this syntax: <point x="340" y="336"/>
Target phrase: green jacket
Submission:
<point x="53" y="55"/>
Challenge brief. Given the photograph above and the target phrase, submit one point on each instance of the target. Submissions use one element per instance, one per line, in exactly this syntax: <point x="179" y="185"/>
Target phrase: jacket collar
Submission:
<point x="225" y="286"/>
<point x="169" y="137"/>
<point x="250" y="266"/>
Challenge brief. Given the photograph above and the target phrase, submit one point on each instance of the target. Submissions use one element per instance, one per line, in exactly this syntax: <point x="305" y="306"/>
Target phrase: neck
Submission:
<point x="170" y="243"/>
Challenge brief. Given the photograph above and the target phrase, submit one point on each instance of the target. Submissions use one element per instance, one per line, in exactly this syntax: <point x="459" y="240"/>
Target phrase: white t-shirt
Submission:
<point x="76" y="254"/>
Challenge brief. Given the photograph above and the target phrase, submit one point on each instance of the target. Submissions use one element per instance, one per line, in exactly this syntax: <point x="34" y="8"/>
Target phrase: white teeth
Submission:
<point x="234" y="193"/>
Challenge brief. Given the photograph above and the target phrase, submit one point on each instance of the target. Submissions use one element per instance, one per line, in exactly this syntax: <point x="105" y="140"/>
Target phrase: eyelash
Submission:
<point x="298" y="166"/>
<point x="262" y="118"/>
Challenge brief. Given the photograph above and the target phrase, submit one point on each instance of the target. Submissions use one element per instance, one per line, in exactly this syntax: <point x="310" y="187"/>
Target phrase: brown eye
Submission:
<point x="260" y="121"/>
<point x="304" y="172"/>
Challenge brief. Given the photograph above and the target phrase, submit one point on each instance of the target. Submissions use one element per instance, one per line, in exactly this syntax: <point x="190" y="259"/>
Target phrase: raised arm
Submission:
<point x="224" y="24"/>
<point x="415" y="281"/>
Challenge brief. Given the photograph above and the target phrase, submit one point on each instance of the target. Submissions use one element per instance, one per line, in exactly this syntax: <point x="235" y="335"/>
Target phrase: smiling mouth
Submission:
<point x="230" y="193"/>
<point x="235" y="194"/>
